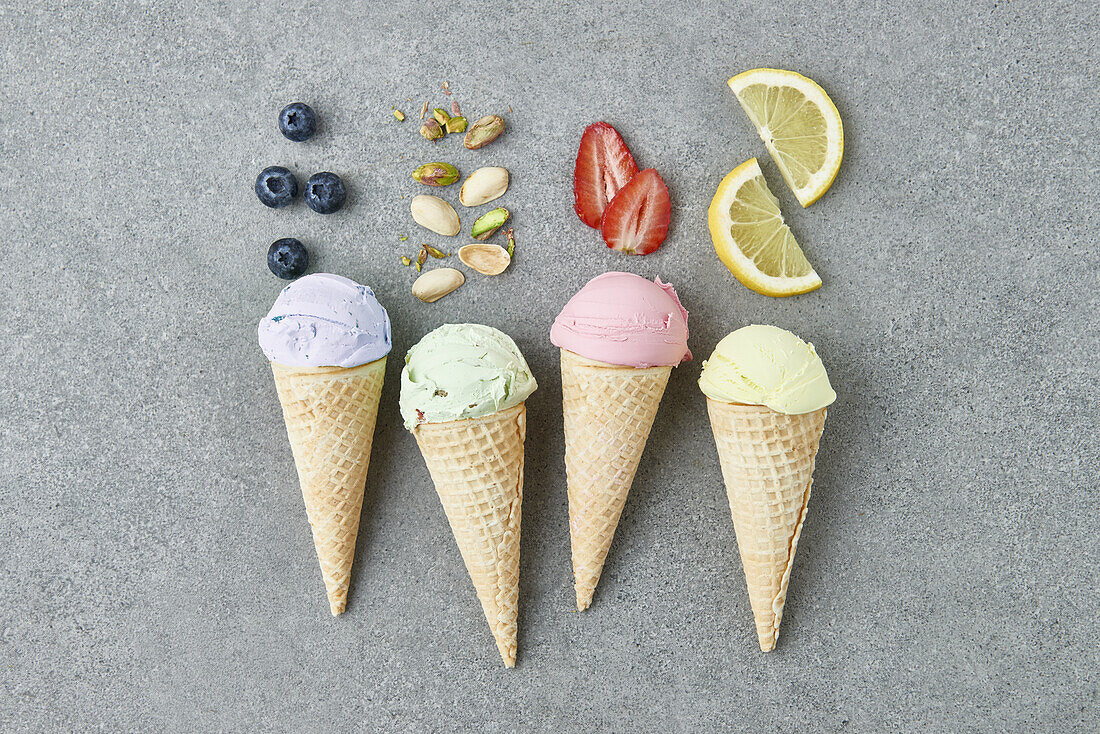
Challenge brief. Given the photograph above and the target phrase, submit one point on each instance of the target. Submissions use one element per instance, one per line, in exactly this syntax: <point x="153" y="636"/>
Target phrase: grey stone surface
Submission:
<point x="157" y="572"/>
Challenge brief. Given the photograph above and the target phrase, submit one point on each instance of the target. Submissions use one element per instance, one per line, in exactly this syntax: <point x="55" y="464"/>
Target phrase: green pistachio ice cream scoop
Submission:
<point x="462" y="371"/>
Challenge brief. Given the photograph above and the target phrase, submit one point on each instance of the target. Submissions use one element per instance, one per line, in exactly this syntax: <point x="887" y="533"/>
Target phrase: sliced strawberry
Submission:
<point x="604" y="165"/>
<point x="636" y="220"/>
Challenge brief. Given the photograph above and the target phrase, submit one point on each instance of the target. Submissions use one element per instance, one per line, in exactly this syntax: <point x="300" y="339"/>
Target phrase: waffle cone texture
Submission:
<point x="330" y="413"/>
<point x="767" y="464"/>
<point x="477" y="467"/>
<point x="608" y="411"/>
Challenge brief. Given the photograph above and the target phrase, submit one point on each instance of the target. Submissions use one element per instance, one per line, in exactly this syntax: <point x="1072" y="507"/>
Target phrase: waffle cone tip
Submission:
<point x="507" y="650"/>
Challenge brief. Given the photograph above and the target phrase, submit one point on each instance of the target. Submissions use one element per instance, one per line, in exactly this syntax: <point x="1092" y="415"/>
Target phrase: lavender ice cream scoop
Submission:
<point x="325" y="320"/>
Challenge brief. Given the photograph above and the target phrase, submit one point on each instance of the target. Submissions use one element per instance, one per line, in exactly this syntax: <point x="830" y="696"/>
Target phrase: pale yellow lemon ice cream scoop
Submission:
<point x="766" y="365"/>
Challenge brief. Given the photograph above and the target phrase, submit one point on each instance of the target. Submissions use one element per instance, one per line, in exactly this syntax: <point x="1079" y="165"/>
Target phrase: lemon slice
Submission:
<point x="799" y="125"/>
<point x="751" y="238"/>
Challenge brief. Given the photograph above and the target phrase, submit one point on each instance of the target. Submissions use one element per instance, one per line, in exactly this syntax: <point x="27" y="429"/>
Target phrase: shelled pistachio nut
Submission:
<point x="484" y="131"/>
<point x="435" y="214"/>
<point x="434" y="284"/>
<point x="484" y="185"/>
<point x="456" y="125"/>
<point x="488" y="223"/>
<point x="485" y="259"/>
<point x="436" y="174"/>
<point x="431" y="130"/>
<point x="441" y="116"/>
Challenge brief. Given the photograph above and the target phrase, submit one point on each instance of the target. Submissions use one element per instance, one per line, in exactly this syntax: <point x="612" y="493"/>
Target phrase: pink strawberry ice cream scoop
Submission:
<point x="624" y="319"/>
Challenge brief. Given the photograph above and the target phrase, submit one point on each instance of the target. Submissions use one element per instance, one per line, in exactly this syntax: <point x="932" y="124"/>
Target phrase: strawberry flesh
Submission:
<point x="604" y="165"/>
<point x="636" y="220"/>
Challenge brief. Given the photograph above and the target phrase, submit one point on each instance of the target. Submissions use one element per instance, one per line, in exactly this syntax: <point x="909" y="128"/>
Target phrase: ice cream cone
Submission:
<point x="477" y="467"/>
<point x="330" y="414"/>
<point x="768" y="464"/>
<point x="609" y="411"/>
<point x="620" y="336"/>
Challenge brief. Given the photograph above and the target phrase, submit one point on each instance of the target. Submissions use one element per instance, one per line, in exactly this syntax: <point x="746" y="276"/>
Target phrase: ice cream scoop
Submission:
<point x="624" y="319"/>
<point x="462" y="371"/>
<point x="325" y="320"/>
<point x="766" y="365"/>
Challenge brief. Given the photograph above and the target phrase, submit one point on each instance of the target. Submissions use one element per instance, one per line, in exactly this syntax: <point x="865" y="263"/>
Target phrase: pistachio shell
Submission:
<point x="434" y="284"/>
<point x="485" y="259"/>
<point x="435" y="214"/>
<point x="484" y="185"/>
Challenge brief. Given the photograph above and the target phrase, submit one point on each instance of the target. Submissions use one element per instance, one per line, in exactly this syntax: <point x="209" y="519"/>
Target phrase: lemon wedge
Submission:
<point x="751" y="238"/>
<point x="798" y="123"/>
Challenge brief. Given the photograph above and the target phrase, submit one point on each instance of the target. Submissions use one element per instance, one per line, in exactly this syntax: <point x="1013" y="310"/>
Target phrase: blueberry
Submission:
<point x="298" y="122"/>
<point x="288" y="258"/>
<point x="276" y="186"/>
<point x="325" y="192"/>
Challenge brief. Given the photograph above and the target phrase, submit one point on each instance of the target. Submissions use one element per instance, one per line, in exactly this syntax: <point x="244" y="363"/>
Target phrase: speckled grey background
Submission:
<point x="156" y="570"/>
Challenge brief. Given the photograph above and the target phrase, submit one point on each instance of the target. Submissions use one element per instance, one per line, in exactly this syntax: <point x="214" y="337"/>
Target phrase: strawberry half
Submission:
<point x="604" y="165"/>
<point x="636" y="220"/>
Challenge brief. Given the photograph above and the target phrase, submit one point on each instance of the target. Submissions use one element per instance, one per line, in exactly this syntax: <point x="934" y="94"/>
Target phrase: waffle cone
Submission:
<point x="767" y="464"/>
<point x="330" y="414"/>
<point x="477" y="467"/>
<point x="609" y="411"/>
